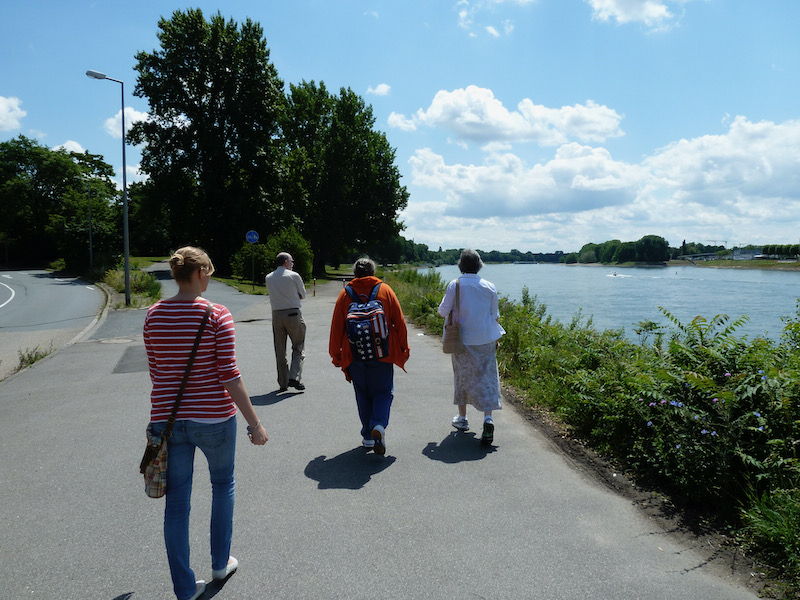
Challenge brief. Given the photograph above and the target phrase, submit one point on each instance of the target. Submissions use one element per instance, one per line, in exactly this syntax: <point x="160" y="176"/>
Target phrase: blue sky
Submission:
<point x="531" y="124"/>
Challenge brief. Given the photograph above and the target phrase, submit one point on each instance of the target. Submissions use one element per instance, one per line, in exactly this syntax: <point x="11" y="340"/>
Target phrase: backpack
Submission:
<point x="366" y="326"/>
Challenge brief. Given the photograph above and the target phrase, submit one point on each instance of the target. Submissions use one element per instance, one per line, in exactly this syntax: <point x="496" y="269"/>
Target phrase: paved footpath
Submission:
<point x="316" y="517"/>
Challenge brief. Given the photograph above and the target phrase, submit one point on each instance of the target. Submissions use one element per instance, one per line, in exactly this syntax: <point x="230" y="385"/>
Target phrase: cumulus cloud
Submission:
<point x="71" y="146"/>
<point x="382" y="89"/>
<point x="10" y="113"/>
<point x="474" y="114"/>
<point x="742" y="185"/>
<point x="113" y="126"/>
<point x="652" y="13"/>
<point x="577" y="178"/>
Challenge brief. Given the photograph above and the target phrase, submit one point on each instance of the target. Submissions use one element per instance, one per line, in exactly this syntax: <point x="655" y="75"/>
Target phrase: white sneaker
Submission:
<point x="199" y="589"/>
<point x="461" y="423"/>
<point x="379" y="438"/>
<point x="230" y="568"/>
<point x="368" y="443"/>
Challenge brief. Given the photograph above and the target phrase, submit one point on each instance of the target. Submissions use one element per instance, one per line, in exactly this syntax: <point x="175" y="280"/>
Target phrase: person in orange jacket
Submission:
<point x="373" y="379"/>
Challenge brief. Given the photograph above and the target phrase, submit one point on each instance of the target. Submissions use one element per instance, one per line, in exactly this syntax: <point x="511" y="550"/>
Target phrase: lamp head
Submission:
<point x="95" y="74"/>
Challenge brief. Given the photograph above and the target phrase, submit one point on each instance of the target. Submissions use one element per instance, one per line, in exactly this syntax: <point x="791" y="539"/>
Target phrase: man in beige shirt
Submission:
<point x="286" y="290"/>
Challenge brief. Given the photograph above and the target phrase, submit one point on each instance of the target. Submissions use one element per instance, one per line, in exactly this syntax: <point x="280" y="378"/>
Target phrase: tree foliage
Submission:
<point x="45" y="196"/>
<point x="343" y="185"/>
<point x="210" y="144"/>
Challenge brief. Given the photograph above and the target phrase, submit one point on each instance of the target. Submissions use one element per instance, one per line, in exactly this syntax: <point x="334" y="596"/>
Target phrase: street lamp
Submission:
<point x="125" y="244"/>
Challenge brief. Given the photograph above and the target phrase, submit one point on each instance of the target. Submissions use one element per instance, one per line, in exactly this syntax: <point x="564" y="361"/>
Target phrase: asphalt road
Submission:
<point x="316" y="517"/>
<point x="41" y="310"/>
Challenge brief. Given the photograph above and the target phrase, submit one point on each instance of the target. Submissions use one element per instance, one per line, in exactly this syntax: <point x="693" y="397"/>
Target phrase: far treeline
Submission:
<point x="225" y="150"/>
<point x="649" y="249"/>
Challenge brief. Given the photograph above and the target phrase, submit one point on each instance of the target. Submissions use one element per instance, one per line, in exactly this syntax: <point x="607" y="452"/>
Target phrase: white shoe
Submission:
<point x="379" y="437"/>
<point x="461" y="423"/>
<point x="218" y="574"/>
<point x="369" y="444"/>
<point x="201" y="587"/>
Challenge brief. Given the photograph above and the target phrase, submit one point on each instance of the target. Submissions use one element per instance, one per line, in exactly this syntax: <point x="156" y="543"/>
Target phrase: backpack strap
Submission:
<point x="351" y="292"/>
<point x="374" y="293"/>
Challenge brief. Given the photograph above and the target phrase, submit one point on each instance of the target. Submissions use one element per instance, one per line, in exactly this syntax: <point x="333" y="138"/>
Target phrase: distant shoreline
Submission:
<point x="764" y="265"/>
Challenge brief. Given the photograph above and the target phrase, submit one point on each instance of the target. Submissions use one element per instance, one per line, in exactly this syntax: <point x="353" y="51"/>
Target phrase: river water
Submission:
<point x="619" y="298"/>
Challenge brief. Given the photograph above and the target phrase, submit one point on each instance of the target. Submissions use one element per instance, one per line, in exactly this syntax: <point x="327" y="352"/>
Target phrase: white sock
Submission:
<point x="488" y="419"/>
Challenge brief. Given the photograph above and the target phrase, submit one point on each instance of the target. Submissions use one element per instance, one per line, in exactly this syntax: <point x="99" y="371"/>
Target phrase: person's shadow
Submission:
<point x="457" y="447"/>
<point x="351" y="470"/>
<point x="272" y="398"/>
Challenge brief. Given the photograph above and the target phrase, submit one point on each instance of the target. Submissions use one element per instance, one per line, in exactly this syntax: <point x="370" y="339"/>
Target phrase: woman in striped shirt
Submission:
<point x="206" y="417"/>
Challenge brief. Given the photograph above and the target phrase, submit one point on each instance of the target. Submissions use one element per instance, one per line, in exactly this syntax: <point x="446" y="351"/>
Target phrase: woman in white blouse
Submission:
<point x="475" y="374"/>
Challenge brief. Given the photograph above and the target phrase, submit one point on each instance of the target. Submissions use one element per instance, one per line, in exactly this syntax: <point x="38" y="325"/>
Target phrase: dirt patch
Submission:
<point x="718" y="552"/>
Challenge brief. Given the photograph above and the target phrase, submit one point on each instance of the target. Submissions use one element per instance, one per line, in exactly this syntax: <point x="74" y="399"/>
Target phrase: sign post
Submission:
<point x="252" y="238"/>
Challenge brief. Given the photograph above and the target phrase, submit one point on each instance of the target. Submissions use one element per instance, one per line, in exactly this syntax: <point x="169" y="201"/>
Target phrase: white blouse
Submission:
<point x="478" y="309"/>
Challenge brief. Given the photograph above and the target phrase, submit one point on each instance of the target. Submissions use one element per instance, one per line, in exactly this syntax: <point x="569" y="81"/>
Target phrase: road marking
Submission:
<point x="7" y="276"/>
<point x="10" y="289"/>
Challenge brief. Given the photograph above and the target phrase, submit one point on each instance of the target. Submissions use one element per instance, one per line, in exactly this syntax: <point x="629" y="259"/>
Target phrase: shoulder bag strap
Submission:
<point x="168" y="429"/>
<point x="455" y="306"/>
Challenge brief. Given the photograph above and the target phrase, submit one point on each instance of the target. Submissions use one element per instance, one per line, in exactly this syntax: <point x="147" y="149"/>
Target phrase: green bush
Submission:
<point x="142" y="283"/>
<point x="261" y="257"/>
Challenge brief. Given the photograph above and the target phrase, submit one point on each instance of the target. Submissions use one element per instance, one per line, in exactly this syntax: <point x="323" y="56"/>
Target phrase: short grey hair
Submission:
<point x="281" y="259"/>
<point x="364" y="267"/>
<point x="470" y="261"/>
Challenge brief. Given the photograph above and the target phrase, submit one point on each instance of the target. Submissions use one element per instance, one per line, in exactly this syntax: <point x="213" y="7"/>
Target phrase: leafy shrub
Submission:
<point x="141" y="282"/>
<point x="261" y="257"/>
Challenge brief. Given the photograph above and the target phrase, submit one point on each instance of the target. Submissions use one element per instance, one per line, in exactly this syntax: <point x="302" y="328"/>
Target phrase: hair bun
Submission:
<point x="177" y="259"/>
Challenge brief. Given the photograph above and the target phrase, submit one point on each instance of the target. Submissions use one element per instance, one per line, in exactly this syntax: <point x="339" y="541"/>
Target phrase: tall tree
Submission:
<point x="211" y="142"/>
<point x="652" y="248"/>
<point x="345" y="187"/>
<point x="43" y="203"/>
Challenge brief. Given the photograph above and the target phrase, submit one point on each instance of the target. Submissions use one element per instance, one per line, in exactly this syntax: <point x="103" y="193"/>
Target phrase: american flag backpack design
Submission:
<point x="366" y="326"/>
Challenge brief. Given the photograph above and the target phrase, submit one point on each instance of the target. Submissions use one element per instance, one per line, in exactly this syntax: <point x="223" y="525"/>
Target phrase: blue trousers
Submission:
<point x="217" y="442"/>
<point x="373" y="382"/>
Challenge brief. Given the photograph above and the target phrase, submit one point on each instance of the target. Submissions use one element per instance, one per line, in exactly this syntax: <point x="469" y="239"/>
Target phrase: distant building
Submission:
<point x="747" y="253"/>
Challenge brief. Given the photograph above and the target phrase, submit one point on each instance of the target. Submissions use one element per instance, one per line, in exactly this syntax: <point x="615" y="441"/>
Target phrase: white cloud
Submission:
<point x="475" y="114"/>
<point x="577" y="178"/>
<point x="492" y="31"/>
<point x="71" y="146"/>
<point x="743" y="185"/>
<point x="382" y="89"/>
<point x="401" y="122"/>
<point x="10" y="113"/>
<point x="134" y="174"/>
<point x="652" y="13"/>
<point x="113" y="126"/>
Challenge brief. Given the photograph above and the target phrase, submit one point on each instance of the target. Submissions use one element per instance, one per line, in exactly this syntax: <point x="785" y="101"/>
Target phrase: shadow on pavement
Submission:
<point x="457" y="447"/>
<point x="351" y="470"/>
<point x="272" y="398"/>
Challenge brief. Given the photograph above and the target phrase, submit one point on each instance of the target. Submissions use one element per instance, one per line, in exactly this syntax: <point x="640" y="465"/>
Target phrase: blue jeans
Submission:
<point x="218" y="442"/>
<point x="373" y="382"/>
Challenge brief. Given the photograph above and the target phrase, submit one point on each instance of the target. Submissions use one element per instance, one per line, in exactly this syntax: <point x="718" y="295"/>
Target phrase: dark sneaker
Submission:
<point x="296" y="384"/>
<point x="488" y="433"/>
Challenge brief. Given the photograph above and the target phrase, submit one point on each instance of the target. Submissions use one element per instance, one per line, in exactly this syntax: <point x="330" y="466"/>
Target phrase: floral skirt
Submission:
<point x="477" y="381"/>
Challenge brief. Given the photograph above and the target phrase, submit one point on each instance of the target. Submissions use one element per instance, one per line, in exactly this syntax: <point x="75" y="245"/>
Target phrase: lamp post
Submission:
<point x="125" y="241"/>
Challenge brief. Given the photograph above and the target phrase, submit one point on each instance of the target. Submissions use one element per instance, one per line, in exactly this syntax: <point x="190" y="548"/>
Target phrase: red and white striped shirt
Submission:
<point x="170" y="328"/>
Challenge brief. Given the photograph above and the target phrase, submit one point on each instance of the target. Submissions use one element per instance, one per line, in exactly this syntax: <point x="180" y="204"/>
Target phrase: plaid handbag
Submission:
<point x="154" y="465"/>
<point x="154" y="461"/>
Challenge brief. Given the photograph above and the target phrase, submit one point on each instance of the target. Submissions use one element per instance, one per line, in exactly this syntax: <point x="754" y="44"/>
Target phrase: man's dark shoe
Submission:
<point x="488" y="433"/>
<point x="296" y="384"/>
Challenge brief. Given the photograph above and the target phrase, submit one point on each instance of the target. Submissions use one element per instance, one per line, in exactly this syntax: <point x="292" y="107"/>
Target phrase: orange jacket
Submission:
<point x="339" y="346"/>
